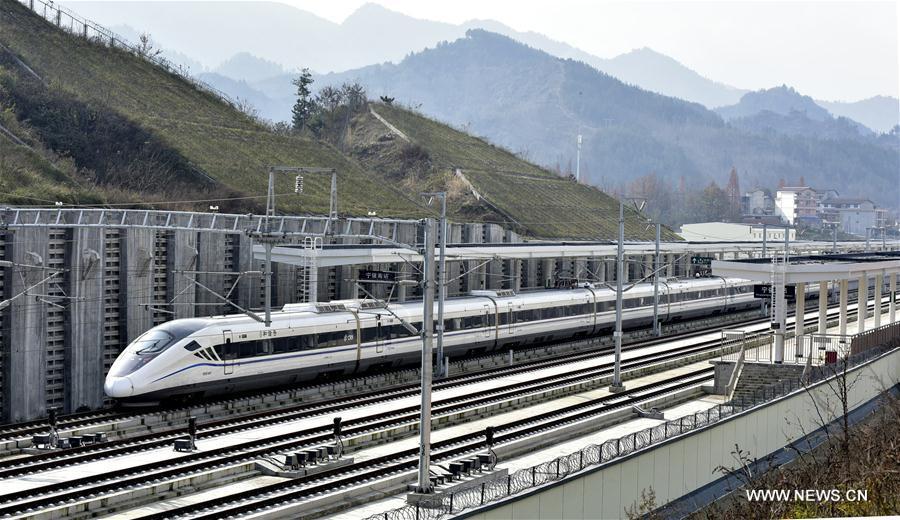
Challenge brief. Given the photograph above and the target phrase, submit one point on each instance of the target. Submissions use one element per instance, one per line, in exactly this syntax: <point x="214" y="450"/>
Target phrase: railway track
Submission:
<point x="43" y="497"/>
<point x="407" y="460"/>
<point x="50" y="460"/>
<point x="39" y="497"/>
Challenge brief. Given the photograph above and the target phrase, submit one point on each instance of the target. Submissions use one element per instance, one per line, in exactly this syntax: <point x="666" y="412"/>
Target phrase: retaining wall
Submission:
<point x="683" y="464"/>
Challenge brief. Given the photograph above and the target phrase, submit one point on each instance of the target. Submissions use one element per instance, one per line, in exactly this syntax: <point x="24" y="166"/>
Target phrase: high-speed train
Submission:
<point x="195" y="357"/>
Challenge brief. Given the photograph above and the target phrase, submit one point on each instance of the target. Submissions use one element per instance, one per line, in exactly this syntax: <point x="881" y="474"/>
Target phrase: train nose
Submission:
<point x="118" y="387"/>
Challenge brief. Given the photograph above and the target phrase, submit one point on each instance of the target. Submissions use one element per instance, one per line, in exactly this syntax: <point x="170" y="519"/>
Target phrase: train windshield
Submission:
<point x="152" y="343"/>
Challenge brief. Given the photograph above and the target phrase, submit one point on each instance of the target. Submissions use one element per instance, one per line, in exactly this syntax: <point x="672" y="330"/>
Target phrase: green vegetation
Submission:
<point x="209" y="135"/>
<point x="532" y="200"/>
<point x="104" y="126"/>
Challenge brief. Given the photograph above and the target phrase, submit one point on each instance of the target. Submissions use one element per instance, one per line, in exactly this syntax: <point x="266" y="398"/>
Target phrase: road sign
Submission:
<point x="366" y="275"/>
<point x="701" y="260"/>
<point x="765" y="291"/>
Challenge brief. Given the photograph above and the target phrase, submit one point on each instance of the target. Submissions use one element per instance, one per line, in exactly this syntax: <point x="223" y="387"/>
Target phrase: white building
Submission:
<point x="796" y="203"/>
<point x="732" y="232"/>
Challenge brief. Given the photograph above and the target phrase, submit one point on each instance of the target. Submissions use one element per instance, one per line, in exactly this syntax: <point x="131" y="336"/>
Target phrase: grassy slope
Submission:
<point x="542" y="203"/>
<point x="210" y="134"/>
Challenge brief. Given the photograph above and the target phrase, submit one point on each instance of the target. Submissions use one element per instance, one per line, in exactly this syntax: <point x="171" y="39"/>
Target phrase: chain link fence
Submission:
<point x="77" y="25"/>
<point x="445" y="504"/>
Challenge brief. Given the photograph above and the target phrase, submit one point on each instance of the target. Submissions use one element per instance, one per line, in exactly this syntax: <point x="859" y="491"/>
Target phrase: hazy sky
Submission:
<point x="829" y="50"/>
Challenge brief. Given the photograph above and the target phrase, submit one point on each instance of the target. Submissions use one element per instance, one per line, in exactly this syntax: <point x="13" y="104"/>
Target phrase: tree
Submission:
<point x="733" y="190"/>
<point x="304" y="107"/>
<point x="145" y="46"/>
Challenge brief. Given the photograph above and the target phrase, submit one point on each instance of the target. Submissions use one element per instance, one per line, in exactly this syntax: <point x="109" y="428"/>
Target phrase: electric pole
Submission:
<point x="424" y="483"/>
<point x="617" y="385"/>
<point x="269" y="238"/>
<point x="441" y="279"/>
<point x="656" y="268"/>
<point x="578" y="161"/>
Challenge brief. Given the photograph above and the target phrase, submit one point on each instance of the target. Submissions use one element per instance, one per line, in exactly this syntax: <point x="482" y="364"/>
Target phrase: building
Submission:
<point x="732" y="232"/>
<point x="797" y="204"/>
<point x="855" y="216"/>
<point x="757" y="202"/>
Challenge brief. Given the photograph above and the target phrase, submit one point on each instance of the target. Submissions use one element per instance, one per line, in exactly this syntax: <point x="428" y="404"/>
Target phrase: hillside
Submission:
<point x="126" y="123"/>
<point x="535" y="104"/>
<point x="880" y="113"/>
<point x="421" y="154"/>
<point x="781" y="100"/>
<point x="88" y="124"/>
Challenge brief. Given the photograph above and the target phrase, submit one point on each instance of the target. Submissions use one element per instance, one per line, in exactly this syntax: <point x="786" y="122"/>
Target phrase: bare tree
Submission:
<point x="146" y="47"/>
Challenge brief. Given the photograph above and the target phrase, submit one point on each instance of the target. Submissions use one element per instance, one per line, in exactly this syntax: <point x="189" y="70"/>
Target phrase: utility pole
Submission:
<point x="656" y="268"/>
<point x="441" y="279"/>
<point x="578" y="161"/>
<point x="270" y="238"/>
<point x="617" y="385"/>
<point x="424" y="483"/>
<point x="765" y="239"/>
<point x="834" y="238"/>
<point x="787" y="243"/>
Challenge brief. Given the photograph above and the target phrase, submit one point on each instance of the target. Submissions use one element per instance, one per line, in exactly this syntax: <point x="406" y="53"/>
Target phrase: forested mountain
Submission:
<point x="294" y="38"/>
<point x="880" y="113"/>
<point x="781" y="100"/>
<point x="536" y="104"/>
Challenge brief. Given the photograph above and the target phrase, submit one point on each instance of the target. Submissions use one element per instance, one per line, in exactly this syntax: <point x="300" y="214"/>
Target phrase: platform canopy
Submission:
<point x="815" y="268"/>
<point x="355" y="254"/>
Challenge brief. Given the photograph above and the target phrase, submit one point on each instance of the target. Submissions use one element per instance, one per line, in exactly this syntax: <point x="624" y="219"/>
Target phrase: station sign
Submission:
<point x="701" y="260"/>
<point x="765" y="291"/>
<point x="366" y="275"/>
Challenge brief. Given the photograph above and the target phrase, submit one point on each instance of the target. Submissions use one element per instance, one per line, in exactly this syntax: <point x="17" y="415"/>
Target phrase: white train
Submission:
<point x="194" y="357"/>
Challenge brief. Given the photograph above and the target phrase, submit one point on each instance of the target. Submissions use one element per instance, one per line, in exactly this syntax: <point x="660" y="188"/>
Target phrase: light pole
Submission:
<point x="441" y="279"/>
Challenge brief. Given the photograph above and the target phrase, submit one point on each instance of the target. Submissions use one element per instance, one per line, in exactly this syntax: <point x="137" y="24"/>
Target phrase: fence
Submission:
<point x="75" y="24"/>
<point x="444" y="504"/>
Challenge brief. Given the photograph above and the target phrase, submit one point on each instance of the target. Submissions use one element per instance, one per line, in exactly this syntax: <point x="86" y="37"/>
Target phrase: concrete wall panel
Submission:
<point x="612" y="490"/>
<point x="551" y="504"/>
<point x="181" y="255"/>
<point x="573" y="500"/>
<point x="85" y="319"/>
<point x="136" y="280"/>
<point x="27" y="356"/>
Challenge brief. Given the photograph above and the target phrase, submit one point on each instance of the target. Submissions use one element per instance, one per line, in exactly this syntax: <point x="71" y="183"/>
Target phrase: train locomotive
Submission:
<point x="196" y="357"/>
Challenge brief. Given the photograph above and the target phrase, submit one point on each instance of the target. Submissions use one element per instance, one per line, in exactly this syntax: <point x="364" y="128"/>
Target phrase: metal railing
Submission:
<point x="77" y="25"/>
<point x="485" y="492"/>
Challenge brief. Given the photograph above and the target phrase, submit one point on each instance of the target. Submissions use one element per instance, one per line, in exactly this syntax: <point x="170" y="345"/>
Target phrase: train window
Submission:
<point x="282" y="345"/>
<point x="192" y="346"/>
<point x="453" y="324"/>
<point x="504" y="317"/>
<point x="246" y="349"/>
<point x="473" y="322"/>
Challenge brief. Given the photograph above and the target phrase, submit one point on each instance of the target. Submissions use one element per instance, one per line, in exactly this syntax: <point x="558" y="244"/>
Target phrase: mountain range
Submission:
<point x="213" y="33"/>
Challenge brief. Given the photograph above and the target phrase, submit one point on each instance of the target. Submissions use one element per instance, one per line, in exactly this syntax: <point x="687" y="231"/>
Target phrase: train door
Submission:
<point x="486" y="328"/>
<point x="379" y="335"/>
<point x="229" y="352"/>
<point x="511" y="318"/>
